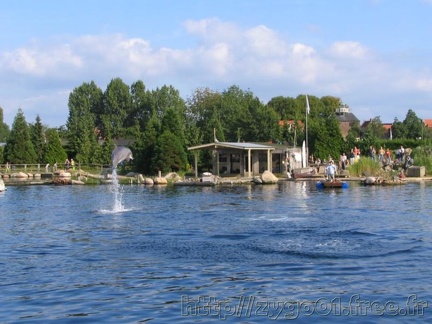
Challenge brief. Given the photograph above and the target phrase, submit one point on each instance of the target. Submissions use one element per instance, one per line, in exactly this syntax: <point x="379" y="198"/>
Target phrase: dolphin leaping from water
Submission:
<point x="120" y="154"/>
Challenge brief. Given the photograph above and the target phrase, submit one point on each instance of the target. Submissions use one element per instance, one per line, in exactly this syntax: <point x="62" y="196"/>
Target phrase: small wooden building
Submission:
<point x="244" y="159"/>
<point x="249" y="159"/>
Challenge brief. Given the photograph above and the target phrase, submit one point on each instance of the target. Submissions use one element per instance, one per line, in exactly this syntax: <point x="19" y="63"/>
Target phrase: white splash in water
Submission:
<point x="117" y="192"/>
<point x="118" y="155"/>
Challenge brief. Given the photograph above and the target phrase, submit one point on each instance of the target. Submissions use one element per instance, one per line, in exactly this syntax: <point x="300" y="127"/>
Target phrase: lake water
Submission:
<point x="244" y="253"/>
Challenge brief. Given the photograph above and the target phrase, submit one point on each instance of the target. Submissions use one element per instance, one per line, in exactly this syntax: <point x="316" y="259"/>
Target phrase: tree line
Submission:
<point x="159" y="126"/>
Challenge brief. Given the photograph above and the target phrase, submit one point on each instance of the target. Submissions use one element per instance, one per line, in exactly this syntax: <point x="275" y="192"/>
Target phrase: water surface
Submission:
<point x="196" y="254"/>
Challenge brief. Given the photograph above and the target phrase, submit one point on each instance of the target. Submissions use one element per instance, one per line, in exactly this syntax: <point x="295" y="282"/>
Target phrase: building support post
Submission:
<point x="249" y="163"/>
<point x="196" y="164"/>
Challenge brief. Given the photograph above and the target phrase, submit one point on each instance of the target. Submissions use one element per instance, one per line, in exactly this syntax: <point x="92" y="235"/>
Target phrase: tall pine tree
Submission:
<point x="4" y="128"/>
<point x="19" y="148"/>
<point x="84" y="102"/>
<point x="38" y="139"/>
<point x="54" y="150"/>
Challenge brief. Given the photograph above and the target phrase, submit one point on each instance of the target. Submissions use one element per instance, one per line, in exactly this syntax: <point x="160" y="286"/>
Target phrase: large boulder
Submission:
<point x="20" y="175"/>
<point x="257" y="180"/>
<point x="370" y="180"/>
<point x="268" y="178"/>
<point x="64" y="174"/>
<point x="148" y="181"/>
<point x="173" y="176"/>
<point x="82" y="178"/>
<point x="160" y="181"/>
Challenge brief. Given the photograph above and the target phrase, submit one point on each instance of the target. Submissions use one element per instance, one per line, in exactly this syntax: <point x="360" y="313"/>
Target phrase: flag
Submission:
<point x="307" y="105"/>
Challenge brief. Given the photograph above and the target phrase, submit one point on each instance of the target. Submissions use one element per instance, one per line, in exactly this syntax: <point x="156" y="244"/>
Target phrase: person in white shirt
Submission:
<point x="331" y="171"/>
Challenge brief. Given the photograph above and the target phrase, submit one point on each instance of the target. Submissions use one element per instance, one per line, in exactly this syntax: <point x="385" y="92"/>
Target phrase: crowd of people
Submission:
<point x="400" y="158"/>
<point x="68" y="164"/>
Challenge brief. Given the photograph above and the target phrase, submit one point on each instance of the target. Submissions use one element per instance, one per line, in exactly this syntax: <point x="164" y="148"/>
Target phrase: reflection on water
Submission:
<point x="157" y="251"/>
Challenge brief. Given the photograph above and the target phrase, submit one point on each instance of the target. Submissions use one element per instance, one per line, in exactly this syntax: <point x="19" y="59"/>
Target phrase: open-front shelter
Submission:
<point x="245" y="159"/>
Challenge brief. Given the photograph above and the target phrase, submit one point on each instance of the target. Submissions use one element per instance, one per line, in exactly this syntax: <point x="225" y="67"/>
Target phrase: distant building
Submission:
<point x="346" y="119"/>
<point x="343" y="114"/>
<point x="387" y="126"/>
<point x="290" y="123"/>
<point x="427" y="123"/>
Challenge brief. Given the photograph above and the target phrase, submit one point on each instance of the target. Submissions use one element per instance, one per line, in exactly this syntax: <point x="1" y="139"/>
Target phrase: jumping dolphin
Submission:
<point x="120" y="154"/>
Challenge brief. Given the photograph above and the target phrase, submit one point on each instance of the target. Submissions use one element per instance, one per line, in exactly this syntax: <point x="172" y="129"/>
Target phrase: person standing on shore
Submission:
<point x="67" y="164"/>
<point x="381" y="153"/>
<point x="351" y="157"/>
<point x="388" y="156"/>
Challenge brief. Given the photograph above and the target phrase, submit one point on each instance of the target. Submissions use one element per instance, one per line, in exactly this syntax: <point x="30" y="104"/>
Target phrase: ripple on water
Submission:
<point x="80" y="260"/>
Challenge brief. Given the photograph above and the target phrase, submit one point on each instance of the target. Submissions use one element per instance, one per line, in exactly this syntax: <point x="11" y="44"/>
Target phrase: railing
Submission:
<point x="47" y="168"/>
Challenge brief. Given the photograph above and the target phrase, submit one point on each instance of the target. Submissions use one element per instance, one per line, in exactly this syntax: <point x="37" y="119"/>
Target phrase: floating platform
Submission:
<point x="331" y="184"/>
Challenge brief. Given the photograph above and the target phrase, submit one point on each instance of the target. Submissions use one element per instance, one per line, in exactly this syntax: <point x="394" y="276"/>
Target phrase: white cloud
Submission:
<point x="39" y="61"/>
<point x="349" y="49"/>
<point x="264" y="42"/>
<point x="257" y="58"/>
<point x="212" y="30"/>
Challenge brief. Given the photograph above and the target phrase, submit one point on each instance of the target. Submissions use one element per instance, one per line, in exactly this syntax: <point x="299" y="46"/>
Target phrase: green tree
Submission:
<point x="4" y="134"/>
<point x="165" y="98"/>
<point x="352" y="138"/>
<point x="117" y="106"/>
<point x="374" y="131"/>
<point x="267" y="124"/>
<point x="38" y="138"/>
<point x="318" y="117"/>
<point x="54" y="152"/>
<point x="19" y="148"/>
<point x="399" y="129"/>
<point x="4" y="128"/>
<point x="172" y="121"/>
<point x="237" y="114"/>
<point x="325" y="138"/>
<point x="285" y="107"/>
<point x="82" y="133"/>
<point x="102" y="155"/>
<point x="203" y="114"/>
<point x="169" y="154"/>
<point x="141" y="106"/>
<point x="413" y="125"/>
<point x="330" y="104"/>
<point x="144" y="160"/>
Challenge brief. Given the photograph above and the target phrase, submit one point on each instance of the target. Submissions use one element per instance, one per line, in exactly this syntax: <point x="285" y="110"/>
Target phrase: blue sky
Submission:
<point x="376" y="55"/>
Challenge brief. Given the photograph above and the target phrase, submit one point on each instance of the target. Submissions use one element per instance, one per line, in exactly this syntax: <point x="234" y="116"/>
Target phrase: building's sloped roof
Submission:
<point x="233" y="145"/>
<point x="347" y="118"/>
<point x="427" y="122"/>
